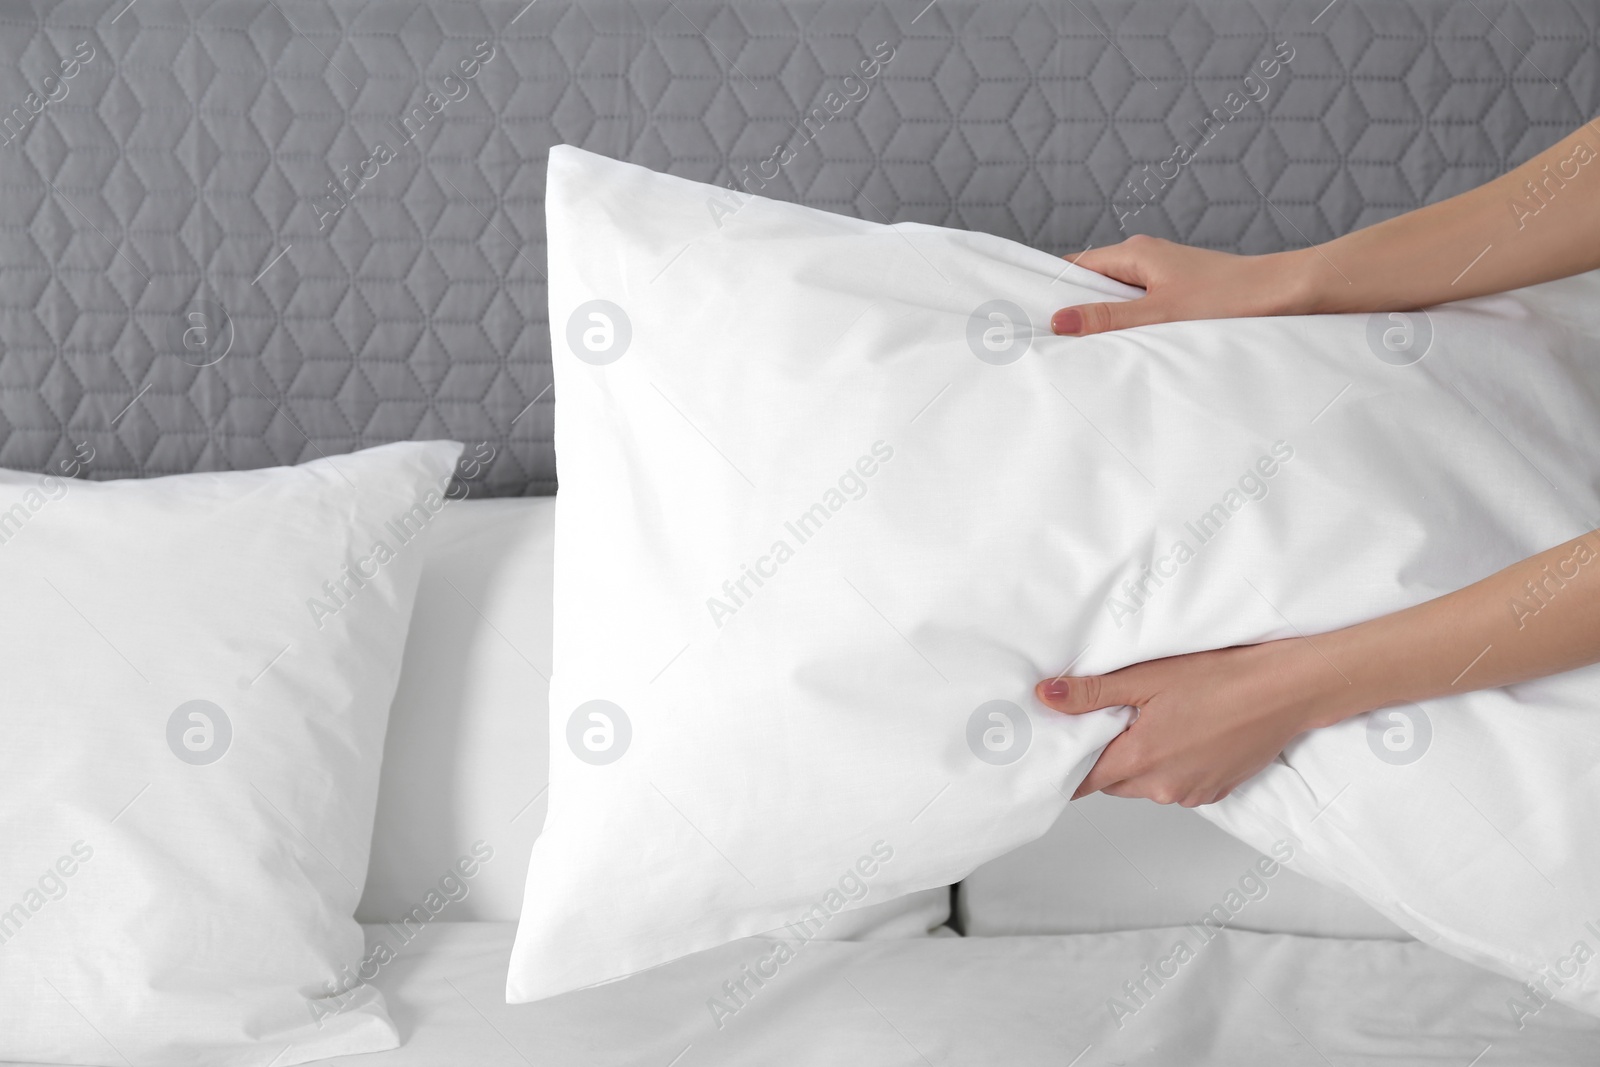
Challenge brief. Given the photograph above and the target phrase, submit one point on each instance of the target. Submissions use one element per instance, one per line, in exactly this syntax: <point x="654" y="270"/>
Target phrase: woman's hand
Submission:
<point x="1428" y="256"/>
<point x="1209" y="720"/>
<point x="1185" y="283"/>
<point x="1206" y="721"/>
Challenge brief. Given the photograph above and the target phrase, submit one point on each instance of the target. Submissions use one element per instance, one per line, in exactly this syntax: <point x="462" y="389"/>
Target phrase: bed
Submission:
<point x="1249" y="999"/>
<point x="209" y="266"/>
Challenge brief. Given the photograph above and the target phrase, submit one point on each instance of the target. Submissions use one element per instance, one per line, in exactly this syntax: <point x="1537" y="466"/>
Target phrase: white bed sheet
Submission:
<point x="1244" y="999"/>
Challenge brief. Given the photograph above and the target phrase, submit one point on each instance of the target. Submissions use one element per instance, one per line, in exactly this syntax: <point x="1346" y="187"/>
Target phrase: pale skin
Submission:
<point x="1210" y="720"/>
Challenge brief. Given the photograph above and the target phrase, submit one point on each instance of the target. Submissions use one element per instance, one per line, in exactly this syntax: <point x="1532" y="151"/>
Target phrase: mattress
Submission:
<point x="1242" y="999"/>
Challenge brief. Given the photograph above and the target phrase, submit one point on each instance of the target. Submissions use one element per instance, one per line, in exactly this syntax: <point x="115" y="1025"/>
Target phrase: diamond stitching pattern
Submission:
<point x="191" y="159"/>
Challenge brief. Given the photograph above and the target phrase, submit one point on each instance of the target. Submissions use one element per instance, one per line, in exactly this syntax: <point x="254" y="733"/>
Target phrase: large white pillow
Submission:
<point x="833" y="501"/>
<point x="196" y="678"/>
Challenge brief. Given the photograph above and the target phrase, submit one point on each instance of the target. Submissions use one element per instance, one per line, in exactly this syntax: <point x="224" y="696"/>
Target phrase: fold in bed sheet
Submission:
<point x="1242" y="999"/>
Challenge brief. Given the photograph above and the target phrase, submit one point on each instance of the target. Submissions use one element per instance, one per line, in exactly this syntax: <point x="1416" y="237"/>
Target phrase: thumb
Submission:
<point x="1087" y="319"/>
<point x="1074" y="696"/>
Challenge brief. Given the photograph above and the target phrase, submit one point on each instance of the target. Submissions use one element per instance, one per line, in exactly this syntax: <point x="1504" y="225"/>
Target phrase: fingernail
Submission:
<point x="1055" y="689"/>
<point x="1067" y="321"/>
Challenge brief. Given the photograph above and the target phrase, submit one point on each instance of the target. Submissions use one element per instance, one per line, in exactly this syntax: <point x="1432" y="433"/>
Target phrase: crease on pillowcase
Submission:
<point x="718" y="931"/>
<point x="1280" y="776"/>
<point x="1023" y="257"/>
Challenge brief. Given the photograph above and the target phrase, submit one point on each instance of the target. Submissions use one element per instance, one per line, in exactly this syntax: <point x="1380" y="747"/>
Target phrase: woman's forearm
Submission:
<point x="1536" y="223"/>
<point x="1537" y="617"/>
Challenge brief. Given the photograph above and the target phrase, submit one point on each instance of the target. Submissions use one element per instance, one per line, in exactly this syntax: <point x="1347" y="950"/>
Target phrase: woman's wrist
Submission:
<point x="1325" y="689"/>
<point x="1301" y="282"/>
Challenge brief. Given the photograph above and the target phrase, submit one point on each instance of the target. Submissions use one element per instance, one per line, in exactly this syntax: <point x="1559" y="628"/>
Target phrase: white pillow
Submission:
<point x="829" y="497"/>
<point x="196" y="681"/>
<point x="469" y="719"/>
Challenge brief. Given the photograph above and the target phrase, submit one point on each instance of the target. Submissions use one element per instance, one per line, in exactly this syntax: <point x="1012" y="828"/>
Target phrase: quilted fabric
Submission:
<point x="182" y="289"/>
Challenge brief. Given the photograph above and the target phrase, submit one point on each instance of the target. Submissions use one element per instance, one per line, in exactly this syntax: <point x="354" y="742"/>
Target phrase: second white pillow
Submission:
<point x="195" y="676"/>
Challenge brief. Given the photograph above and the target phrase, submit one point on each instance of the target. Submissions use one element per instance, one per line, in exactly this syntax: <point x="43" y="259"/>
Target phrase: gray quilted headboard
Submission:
<point x="250" y="232"/>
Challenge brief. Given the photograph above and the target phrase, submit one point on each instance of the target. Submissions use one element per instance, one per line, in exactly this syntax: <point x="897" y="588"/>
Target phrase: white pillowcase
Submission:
<point x="833" y="501"/>
<point x="469" y="718"/>
<point x="197" y="676"/>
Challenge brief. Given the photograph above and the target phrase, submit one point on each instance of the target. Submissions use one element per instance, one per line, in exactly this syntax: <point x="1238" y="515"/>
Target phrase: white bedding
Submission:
<point x="1271" y="999"/>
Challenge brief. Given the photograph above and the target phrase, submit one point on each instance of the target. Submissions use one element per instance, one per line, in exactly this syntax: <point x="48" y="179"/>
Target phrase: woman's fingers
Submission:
<point x="1132" y="262"/>
<point x="1112" y="772"/>
<point x="1206" y="721"/>
<point x="1127" y="261"/>
<point x="1075" y="696"/>
<point x="1180" y="283"/>
<point x="1085" y="319"/>
<point x="1078" y="695"/>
